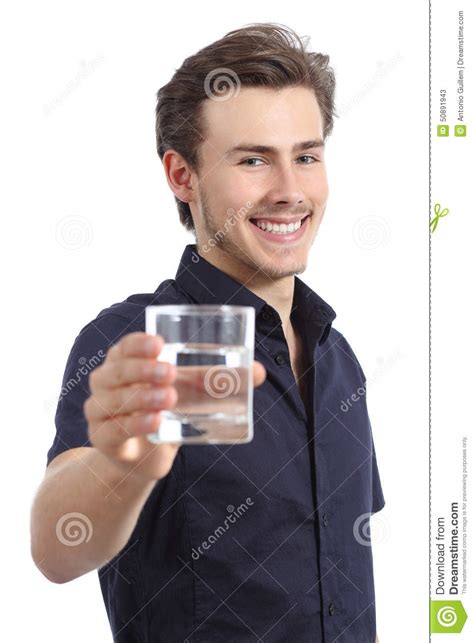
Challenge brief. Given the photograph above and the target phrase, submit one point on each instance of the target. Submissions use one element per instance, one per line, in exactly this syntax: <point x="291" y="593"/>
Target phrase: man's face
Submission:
<point x="235" y="186"/>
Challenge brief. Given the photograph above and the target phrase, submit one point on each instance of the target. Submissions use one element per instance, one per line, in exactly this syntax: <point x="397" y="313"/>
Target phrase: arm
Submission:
<point x="80" y="481"/>
<point x="109" y="482"/>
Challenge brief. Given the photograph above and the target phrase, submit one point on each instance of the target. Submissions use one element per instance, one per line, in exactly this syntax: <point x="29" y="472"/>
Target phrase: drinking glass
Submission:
<point x="213" y="349"/>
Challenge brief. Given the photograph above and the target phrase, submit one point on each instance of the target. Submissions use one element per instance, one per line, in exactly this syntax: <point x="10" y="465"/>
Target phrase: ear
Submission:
<point x="179" y="175"/>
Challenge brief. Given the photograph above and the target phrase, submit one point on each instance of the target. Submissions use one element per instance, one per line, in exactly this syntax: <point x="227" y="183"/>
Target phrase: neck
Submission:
<point x="277" y="292"/>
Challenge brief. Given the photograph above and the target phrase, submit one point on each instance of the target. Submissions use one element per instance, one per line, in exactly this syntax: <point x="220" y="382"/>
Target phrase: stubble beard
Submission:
<point x="226" y="243"/>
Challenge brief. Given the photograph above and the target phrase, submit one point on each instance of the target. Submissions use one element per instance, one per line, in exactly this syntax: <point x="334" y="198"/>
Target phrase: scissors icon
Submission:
<point x="439" y="214"/>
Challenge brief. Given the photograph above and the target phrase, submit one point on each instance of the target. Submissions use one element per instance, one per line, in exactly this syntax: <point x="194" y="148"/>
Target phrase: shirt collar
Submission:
<point x="207" y="284"/>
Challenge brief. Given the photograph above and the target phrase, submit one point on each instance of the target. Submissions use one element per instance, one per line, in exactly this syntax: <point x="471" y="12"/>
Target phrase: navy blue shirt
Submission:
<point x="265" y="540"/>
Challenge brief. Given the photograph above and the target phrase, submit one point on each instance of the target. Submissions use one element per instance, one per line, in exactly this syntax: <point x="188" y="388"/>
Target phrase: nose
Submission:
<point x="285" y="187"/>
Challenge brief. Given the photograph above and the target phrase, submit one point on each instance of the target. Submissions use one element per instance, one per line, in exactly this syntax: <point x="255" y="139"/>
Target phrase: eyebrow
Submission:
<point x="268" y="149"/>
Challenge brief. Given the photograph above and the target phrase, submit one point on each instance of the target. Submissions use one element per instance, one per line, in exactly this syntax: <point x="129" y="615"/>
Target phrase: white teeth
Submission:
<point x="276" y="228"/>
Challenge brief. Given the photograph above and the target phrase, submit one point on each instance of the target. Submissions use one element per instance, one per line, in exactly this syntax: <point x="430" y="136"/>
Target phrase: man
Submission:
<point x="257" y="541"/>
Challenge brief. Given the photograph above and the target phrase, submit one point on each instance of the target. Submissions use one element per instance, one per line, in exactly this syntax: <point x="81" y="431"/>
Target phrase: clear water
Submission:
<point x="214" y="396"/>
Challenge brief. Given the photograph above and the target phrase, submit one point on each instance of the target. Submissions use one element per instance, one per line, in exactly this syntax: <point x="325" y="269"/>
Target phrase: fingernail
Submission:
<point x="150" y="346"/>
<point x="159" y="395"/>
<point x="160" y="370"/>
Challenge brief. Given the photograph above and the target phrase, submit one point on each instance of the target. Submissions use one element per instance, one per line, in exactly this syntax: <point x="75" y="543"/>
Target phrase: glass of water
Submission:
<point x="212" y="348"/>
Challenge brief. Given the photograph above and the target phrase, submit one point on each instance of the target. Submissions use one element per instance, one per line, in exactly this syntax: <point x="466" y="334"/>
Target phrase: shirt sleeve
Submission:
<point x="378" y="500"/>
<point x="88" y="351"/>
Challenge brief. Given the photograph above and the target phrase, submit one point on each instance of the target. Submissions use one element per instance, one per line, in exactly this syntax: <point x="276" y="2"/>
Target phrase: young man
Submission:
<point x="260" y="541"/>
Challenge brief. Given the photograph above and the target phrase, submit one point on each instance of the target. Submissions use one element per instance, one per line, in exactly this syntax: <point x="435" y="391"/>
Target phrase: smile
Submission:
<point x="280" y="234"/>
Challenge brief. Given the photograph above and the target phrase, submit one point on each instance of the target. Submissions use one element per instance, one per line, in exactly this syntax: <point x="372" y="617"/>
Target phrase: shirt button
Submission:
<point x="325" y="520"/>
<point x="332" y="609"/>
<point x="279" y="359"/>
<point x="267" y="315"/>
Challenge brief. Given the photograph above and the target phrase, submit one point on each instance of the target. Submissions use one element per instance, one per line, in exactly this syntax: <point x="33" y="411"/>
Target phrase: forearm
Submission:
<point x="109" y="503"/>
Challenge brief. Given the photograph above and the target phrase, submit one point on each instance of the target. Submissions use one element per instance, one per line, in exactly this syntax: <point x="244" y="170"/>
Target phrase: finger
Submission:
<point x="259" y="373"/>
<point x="111" y="433"/>
<point x="125" y="400"/>
<point x="136" y="345"/>
<point x="132" y="371"/>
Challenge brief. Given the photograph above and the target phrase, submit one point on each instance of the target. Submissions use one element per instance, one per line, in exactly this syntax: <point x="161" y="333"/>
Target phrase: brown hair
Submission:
<point x="257" y="55"/>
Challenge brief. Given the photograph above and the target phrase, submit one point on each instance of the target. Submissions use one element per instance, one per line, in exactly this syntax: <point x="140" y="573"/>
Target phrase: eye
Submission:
<point x="249" y="163"/>
<point x="308" y="156"/>
<point x="250" y="159"/>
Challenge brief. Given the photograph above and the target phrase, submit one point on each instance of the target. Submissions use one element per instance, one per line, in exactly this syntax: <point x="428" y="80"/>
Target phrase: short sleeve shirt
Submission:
<point x="267" y="540"/>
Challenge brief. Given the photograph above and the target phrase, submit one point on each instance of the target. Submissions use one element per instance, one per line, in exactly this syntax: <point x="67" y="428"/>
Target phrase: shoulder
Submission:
<point x="342" y="352"/>
<point x="132" y="309"/>
<point x="116" y="320"/>
<point x="128" y="316"/>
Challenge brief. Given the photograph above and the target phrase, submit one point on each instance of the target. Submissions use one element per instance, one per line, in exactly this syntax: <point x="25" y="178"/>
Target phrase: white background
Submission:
<point x="452" y="310"/>
<point x="88" y="219"/>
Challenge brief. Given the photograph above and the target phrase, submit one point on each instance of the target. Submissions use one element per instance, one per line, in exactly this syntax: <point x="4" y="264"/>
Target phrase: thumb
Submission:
<point x="259" y="373"/>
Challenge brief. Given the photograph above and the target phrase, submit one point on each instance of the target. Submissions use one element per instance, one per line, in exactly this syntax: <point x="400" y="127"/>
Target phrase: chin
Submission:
<point x="284" y="268"/>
